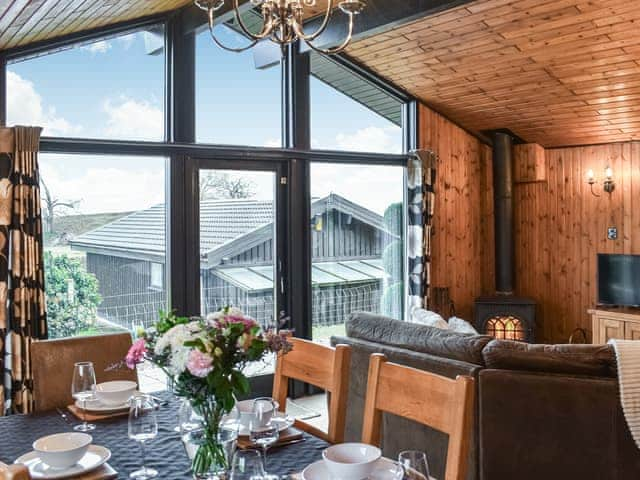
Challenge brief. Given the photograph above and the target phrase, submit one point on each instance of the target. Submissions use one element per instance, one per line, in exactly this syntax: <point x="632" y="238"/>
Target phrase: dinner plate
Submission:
<point x="95" y="405"/>
<point x="95" y="457"/>
<point x="384" y="469"/>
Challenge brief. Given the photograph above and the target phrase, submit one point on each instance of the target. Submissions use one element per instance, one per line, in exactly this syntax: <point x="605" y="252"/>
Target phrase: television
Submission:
<point x="619" y="280"/>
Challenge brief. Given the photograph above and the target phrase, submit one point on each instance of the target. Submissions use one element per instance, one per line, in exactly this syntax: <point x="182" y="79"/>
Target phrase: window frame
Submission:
<point x="182" y="152"/>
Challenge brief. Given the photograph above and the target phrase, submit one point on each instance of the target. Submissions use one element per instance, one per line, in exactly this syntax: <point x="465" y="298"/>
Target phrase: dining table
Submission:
<point x="165" y="453"/>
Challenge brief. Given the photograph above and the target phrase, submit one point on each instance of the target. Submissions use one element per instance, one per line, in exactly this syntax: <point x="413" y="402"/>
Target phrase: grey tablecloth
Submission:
<point x="165" y="453"/>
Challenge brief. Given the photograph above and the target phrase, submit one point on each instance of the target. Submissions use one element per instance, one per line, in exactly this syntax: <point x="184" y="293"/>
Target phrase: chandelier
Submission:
<point x="282" y="22"/>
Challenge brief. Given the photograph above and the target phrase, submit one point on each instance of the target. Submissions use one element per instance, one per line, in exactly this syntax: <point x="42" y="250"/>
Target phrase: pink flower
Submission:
<point x="136" y="353"/>
<point x="199" y="364"/>
<point x="247" y="322"/>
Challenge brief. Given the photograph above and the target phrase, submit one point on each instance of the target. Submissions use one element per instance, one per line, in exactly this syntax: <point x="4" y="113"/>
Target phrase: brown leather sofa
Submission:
<point x="547" y="412"/>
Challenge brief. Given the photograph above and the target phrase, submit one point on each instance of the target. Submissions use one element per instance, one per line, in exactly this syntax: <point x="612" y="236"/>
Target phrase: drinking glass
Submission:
<point x="143" y="427"/>
<point x="263" y="431"/>
<point x="415" y="464"/>
<point x="247" y="465"/>
<point x="83" y="387"/>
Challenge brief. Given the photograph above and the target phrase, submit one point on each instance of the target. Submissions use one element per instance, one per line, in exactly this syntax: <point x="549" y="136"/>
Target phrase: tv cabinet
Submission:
<point x="617" y="323"/>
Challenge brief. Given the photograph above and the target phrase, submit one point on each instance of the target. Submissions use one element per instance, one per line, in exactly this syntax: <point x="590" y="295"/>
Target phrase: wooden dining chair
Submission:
<point x="439" y="402"/>
<point x="52" y="362"/>
<point x="324" y="367"/>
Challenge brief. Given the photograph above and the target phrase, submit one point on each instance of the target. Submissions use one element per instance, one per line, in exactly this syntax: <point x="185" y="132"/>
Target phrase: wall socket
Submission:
<point x="612" y="233"/>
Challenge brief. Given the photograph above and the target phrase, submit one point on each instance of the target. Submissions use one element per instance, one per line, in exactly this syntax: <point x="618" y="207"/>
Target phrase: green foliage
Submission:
<point x="168" y="320"/>
<point x="393" y="260"/>
<point x="391" y="301"/>
<point x="394" y="218"/>
<point x="72" y="296"/>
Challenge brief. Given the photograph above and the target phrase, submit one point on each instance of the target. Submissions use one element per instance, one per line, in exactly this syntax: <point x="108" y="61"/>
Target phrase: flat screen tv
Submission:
<point x="619" y="280"/>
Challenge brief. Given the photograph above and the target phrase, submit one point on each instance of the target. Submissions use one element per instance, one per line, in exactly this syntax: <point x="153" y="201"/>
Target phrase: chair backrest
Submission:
<point x="424" y="397"/>
<point x="324" y="367"/>
<point x="52" y="362"/>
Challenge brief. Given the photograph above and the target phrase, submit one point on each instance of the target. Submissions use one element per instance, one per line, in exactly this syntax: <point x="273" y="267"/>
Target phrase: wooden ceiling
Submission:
<point x="27" y="21"/>
<point x="555" y="72"/>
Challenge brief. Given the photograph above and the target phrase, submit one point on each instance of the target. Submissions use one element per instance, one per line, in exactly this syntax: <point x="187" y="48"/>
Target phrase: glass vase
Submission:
<point x="209" y="437"/>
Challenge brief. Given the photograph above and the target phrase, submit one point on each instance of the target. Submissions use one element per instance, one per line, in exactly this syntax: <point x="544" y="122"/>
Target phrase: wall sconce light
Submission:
<point x="608" y="185"/>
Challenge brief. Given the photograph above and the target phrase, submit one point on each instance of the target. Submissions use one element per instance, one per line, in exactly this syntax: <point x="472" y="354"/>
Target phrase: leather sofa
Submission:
<point x="547" y="412"/>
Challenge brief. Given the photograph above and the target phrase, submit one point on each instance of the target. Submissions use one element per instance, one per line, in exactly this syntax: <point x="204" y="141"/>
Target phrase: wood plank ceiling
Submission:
<point x="555" y="72"/>
<point x="27" y="21"/>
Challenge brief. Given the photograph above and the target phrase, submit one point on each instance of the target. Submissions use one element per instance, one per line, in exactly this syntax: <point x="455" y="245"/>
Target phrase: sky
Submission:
<point x="114" y="89"/>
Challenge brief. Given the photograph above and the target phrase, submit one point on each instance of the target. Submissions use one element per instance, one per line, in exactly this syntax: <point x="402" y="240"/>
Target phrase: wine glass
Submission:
<point x="415" y="464"/>
<point x="83" y="387"/>
<point x="143" y="427"/>
<point x="263" y="431"/>
<point x="247" y="465"/>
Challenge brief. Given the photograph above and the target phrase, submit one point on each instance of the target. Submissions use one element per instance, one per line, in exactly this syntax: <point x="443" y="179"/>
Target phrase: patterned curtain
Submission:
<point x="22" y="315"/>
<point x="421" y="196"/>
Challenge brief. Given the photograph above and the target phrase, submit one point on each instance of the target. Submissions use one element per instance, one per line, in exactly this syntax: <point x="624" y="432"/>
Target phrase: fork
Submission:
<point x="64" y="416"/>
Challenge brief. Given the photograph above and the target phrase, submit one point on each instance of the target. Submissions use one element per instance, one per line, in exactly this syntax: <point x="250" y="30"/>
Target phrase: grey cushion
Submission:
<point x="419" y="338"/>
<point x="591" y="360"/>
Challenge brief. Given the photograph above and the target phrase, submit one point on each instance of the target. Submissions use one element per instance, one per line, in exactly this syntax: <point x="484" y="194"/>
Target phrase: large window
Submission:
<point x="111" y="88"/>
<point x="357" y="243"/>
<point x="236" y="103"/>
<point x="349" y="113"/>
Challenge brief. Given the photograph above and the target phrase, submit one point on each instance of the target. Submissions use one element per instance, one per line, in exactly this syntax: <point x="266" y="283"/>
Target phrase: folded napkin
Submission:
<point x="289" y="435"/>
<point x="81" y="414"/>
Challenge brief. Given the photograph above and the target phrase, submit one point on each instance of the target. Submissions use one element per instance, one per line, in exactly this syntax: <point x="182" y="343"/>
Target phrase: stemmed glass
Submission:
<point x="83" y="387"/>
<point x="143" y="427"/>
<point x="415" y="464"/>
<point x="263" y="431"/>
<point x="247" y="465"/>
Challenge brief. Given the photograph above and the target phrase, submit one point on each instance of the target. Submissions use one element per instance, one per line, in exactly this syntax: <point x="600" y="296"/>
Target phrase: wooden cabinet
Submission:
<point x="622" y="324"/>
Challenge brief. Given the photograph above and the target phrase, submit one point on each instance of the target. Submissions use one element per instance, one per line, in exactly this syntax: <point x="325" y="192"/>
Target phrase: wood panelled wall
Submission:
<point x="462" y="247"/>
<point x="561" y="226"/>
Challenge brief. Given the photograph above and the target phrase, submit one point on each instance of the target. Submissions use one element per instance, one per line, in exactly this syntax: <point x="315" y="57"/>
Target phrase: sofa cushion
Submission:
<point x="592" y="360"/>
<point x="419" y="338"/>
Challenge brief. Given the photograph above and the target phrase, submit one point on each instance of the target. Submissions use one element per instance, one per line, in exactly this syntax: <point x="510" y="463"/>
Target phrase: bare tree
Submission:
<point x="222" y="185"/>
<point x="52" y="205"/>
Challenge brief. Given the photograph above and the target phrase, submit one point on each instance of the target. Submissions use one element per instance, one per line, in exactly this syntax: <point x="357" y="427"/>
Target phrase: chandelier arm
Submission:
<point x="299" y="29"/>
<point x="339" y="48"/>
<point x="266" y="27"/>
<point x="230" y="49"/>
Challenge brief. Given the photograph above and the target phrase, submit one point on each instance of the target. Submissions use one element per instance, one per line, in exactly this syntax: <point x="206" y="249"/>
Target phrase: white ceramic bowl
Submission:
<point x="245" y="408"/>
<point x="115" y="393"/>
<point x="62" y="450"/>
<point x="351" y="461"/>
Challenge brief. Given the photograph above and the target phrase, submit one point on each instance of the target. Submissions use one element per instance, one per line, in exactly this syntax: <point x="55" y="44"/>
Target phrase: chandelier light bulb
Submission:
<point x="608" y="172"/>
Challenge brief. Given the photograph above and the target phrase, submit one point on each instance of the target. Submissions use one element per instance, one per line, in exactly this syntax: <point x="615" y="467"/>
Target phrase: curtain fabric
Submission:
<point x="421" y="196"/>
<point x="22" y="297"/>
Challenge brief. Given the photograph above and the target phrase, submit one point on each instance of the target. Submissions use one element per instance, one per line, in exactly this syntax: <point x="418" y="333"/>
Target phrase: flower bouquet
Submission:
<point x="205" y="357"/>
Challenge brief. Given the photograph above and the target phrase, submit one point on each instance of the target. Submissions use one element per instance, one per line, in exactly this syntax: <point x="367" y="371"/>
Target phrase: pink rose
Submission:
<point x="136" y="353"/>
<point x="199" y="364"/>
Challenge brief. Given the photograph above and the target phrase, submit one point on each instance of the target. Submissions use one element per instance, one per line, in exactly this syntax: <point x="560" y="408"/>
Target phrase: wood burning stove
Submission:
<point x="504" y="315"/>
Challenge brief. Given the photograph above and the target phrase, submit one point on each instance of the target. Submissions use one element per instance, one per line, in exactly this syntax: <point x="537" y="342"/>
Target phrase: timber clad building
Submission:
<point x="236" y="260"/>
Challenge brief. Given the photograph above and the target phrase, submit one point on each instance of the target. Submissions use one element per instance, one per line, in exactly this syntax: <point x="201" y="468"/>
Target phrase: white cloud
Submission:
<point x="98" y="47"/>
<point x="128" y="118"/>
<point x="122" y="187"/>
<point x="25" y="107"/>
<point x="273" y="143"/>
<point x="371" y="139"/>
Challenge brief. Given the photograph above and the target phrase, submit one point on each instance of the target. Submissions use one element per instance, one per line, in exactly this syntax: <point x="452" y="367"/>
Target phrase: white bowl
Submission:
<point x="115" y="393"/>
<point x="62" y="450"/>
<point x="245" y="408"/>
<point x="351" y="461"/>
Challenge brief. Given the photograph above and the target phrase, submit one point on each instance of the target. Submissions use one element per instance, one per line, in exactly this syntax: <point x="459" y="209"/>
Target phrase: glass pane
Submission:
<point x="349" y="113"/>
<point x="357" y="243"/>
<point x="104" y="245"/>
<point x="236" y="103"/>
<point x="111" y="88"/>
<point x="237" y="225"/>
